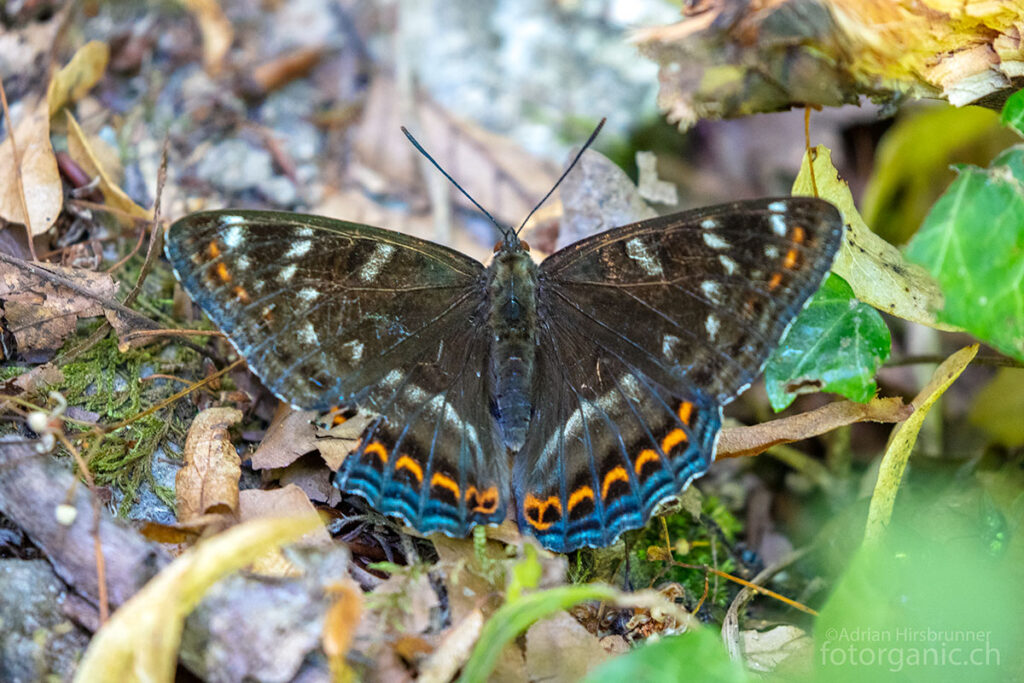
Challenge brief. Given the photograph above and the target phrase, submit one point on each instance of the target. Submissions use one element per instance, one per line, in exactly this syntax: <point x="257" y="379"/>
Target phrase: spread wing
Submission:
<point x="648" y="330"/>
<point x="327" y="312"/>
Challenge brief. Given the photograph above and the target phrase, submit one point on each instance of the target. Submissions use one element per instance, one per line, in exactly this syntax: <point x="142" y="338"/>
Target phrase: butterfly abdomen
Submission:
<point x="513" y="323"/>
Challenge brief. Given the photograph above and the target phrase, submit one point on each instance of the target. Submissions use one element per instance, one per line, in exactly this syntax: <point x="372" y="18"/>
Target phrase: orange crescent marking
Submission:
<point x="486" y="500"/>
<point x="790" y="259"/>
<point x="617" y="473"/>
<point x="222" y="272"/>
<point x="674" y="438"/>
<point x="685" y="410"/>
<point x="378" y="449"/>
<point x="532" y="502"/>
<point x="405" y="462"/>
<point x="446" y="482"/>
<point x="241" y="294"/>
<point x="213" y="250"/>
<point x="798" y="234"/>
<point x="579" y="495"/>
<point x="646" y="456"/>
<point x="775" y="281"/>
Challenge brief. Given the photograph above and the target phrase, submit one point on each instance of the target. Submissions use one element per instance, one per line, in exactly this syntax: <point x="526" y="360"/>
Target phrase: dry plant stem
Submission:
<point x="168" y="401"/>
<point x="17" y="172"/>
<point x="130" y="254"/>
<point x="42" y="272"/>
<point x="101" y="569"/>
<point x="996" y="361"/>
<point x="810" y="150"/>
<point x="750" y="584"/>
<point x="169" y="332"/>
<point x="106" y="208"/>
<point x="156" y="236"/>
<point x="731" y="623"/>
<point x="94" y="338"/>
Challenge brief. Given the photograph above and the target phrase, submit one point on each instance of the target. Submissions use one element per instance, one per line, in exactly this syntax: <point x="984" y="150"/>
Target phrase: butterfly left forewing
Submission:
<point x="327" y="312"/>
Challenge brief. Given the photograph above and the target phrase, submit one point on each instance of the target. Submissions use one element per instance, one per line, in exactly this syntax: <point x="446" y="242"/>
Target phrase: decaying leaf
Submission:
<point x="78" y="76"/>
<point x="37" y="165"/>
<point x="875" y="269"/>
<point x="442" y="665"/>
<point x="208" y="483"/>
<point x="286" y="502"/>
<point x="902" y="441"/>
<point x="81" y="151"/>
<point x="783" y="646"/>
<point x="293" y="433"/>
<point x="739" y="441"/>
<point x="41" y="313"/>
<point x="731" y="58"/>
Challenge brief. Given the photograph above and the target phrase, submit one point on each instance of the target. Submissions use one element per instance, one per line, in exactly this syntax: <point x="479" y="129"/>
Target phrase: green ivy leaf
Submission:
<point x="697" y="655"/>
<point x="836" y="344"/>
<point x="973" y="243"/>
<point x="1013" y="112"/>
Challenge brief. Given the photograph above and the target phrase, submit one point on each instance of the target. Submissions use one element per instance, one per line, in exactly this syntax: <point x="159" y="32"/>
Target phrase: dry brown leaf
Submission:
<point x="218" y="33"/>
<point x="340" y="624"/>
<point x="740" y="441"/>
<point x="285" y="68"/>
<point x="81" y="151"/>
<point x="37" y="379"/>
<point x="78" y="76"/>
<point x="293" y="433"/>
<point x="289" y="501"/>
<point x="498" y="173"/>
<point x="560" y="649"/>
<point x="454" y="650"/>
<point x="42" y="314"/>
<point x="735" y="58"/>
<point x="208" y="483"/>
<point x="784" y="645"/>
<point x="37" y="164"/>
<point x="310" y="475"/>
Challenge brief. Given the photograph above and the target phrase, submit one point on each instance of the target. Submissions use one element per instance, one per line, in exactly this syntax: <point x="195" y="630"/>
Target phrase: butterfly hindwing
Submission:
<point x="648" y="330"/>
<point x="328" y="312"/>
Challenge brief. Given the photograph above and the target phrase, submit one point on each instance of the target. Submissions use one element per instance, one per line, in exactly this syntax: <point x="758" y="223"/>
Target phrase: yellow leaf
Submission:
<point x="340" y="624"/>
<point x="894" y="462"/>
<point x="218" y="33"/>
<point x="37" y="164"/>
<point x="140" y="642"/>
<point x="82" y="153"/>
<point x="78" y="76"/>
<point x="874" y="268"/>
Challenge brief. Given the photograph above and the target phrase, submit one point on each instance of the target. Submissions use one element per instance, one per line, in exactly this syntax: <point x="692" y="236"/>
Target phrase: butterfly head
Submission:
<point x="511" y="244"/>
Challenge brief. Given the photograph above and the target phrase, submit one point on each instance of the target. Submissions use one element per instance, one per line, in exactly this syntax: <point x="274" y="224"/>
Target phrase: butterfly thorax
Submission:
<point x="513" y="326"/>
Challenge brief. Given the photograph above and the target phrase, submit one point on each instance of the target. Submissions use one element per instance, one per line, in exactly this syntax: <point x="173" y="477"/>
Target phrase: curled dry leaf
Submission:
<point x="455" y="648"/>
<point x="293" y="433"/>
<point x="875" y="269"/>
<point x="81" y="151"/>
<point x="739" y="441"/>
<point x="559" y="648"/>
<point x="37" y="166"/>
<point x="78" y="76"/>
<point x="40" y="313"/>
<point x="786" y="646"/>
<point x="218" y="33"/>
<point x="208" y="483"/>
<point x="736" y="58"/>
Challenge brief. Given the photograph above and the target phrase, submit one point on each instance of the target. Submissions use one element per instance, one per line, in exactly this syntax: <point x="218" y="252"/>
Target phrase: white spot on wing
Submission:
<point x="711" y="324"/>
<point x="771" y="252"/>
<point x="299" y="249"/>
<point x="778" y="207"/>
<point x="668" y="345"/>
<point x="354" y="350"/>
<point x="286" y="273"/>
<point x="712" y="291"/>
<point x="378" y="259"/>
<point x="233" y="236"/>
<point x="729" y="265"/>
<point x="231" y="219"/>
<point x="242" y="262"/>
<point x="308" y="294"/>
<point x="709" y="224"/>
<point x="307" y="335"/>
<point x="637" y="250"/>
<point x="779" y="224"/>
<point x="304" y="232"/>
<point x="714" y="241"/>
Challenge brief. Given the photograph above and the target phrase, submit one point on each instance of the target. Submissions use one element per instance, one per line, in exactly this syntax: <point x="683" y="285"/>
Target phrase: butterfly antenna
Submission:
<point x="588" y="143"/>
<point x="419" y="148"/>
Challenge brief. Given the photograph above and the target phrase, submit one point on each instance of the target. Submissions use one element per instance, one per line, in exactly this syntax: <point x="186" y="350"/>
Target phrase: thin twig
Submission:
<point x="156" y="237"/>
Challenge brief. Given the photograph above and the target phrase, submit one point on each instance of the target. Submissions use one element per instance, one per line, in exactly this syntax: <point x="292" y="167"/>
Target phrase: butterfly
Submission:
<point x="582" y="391"/>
